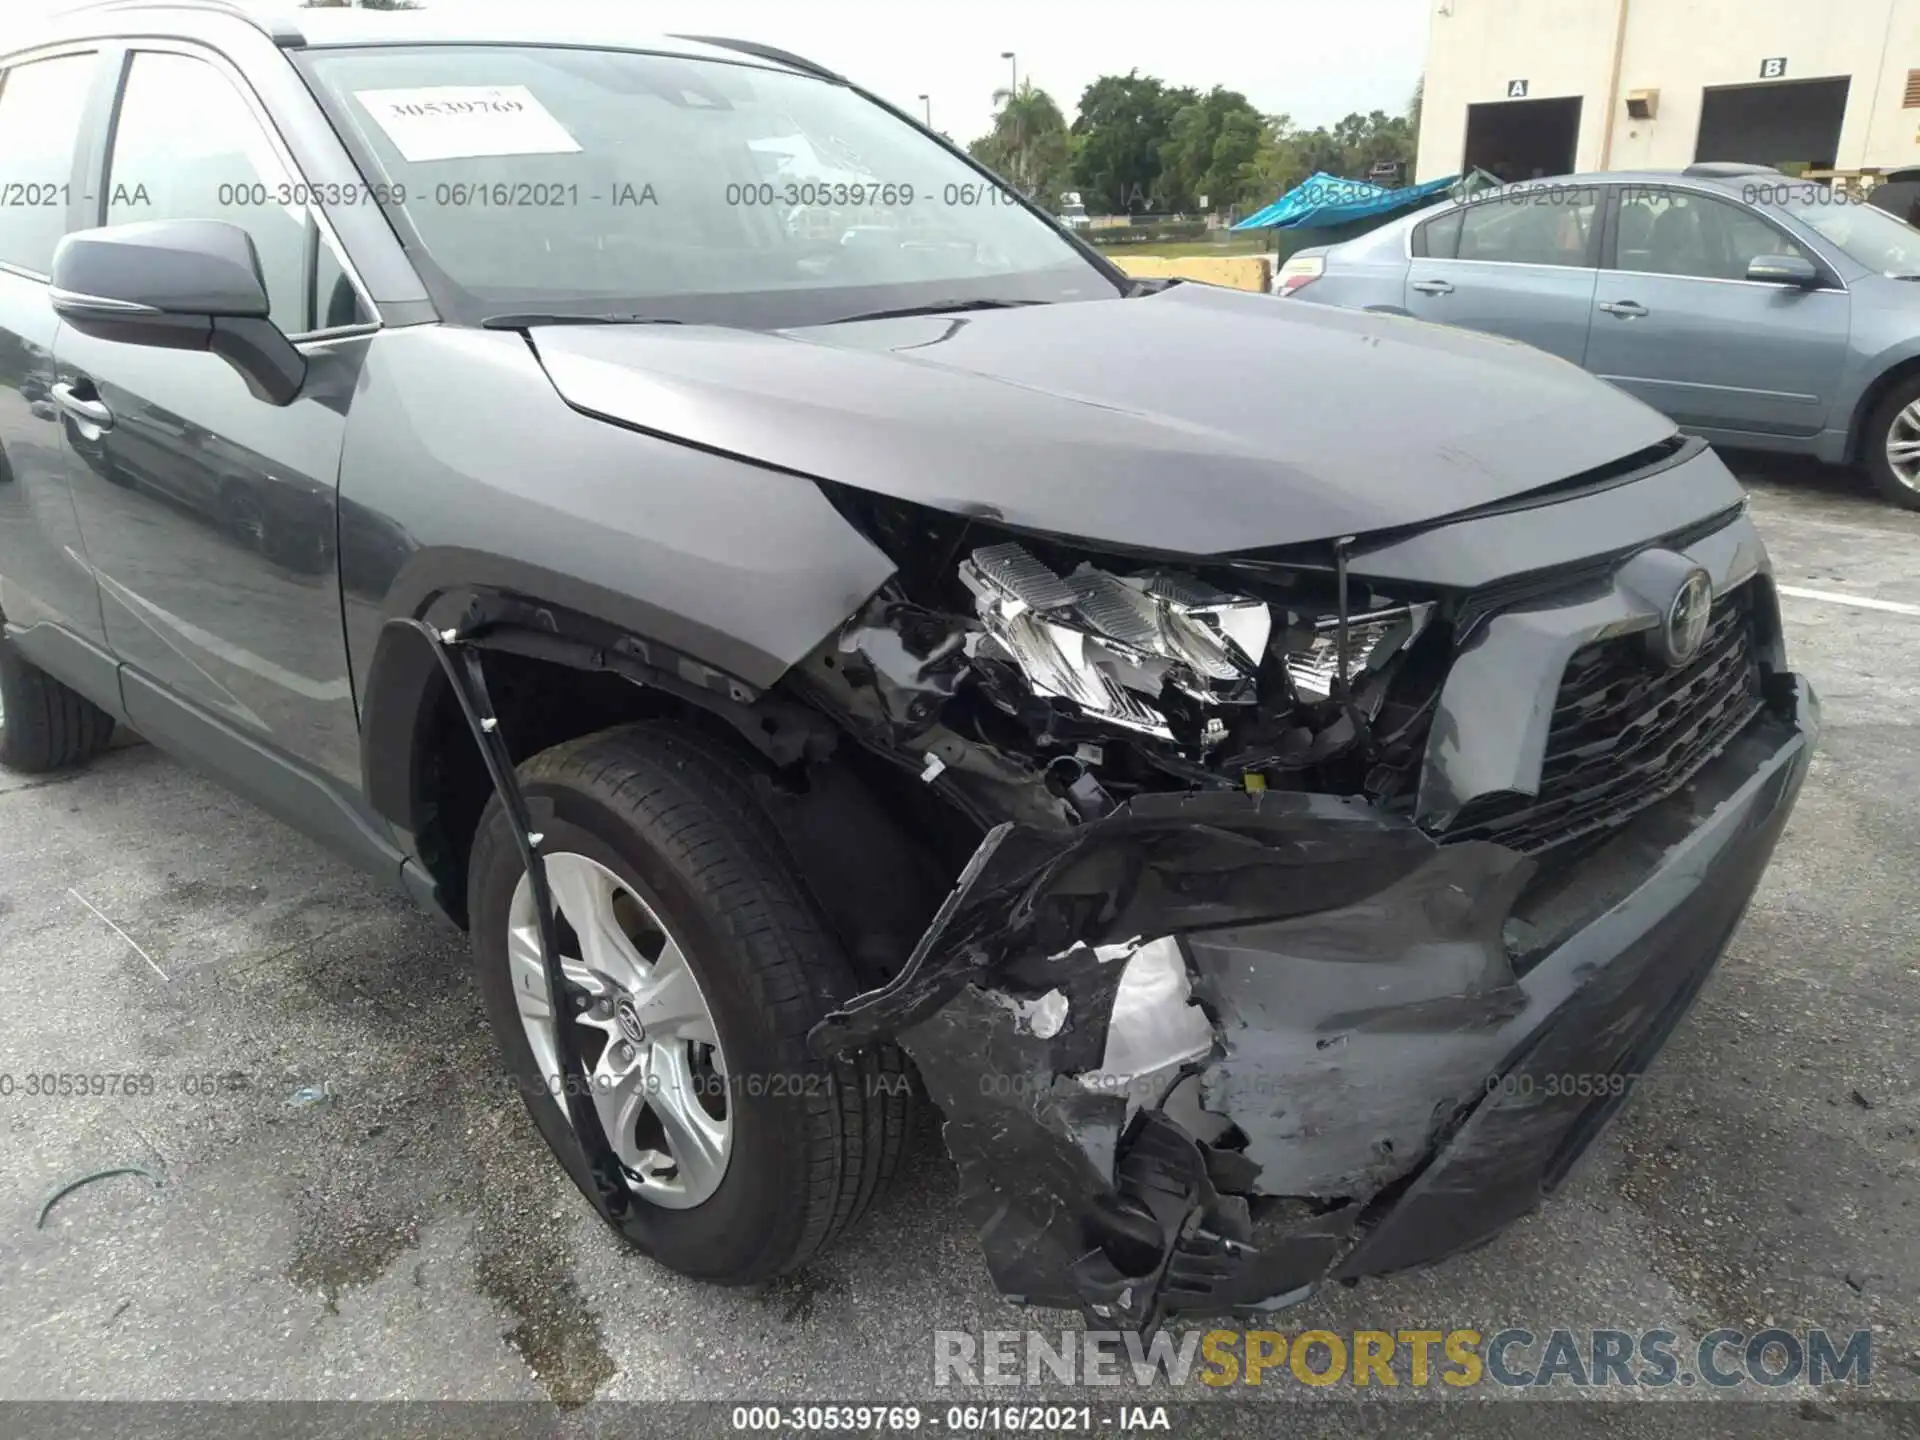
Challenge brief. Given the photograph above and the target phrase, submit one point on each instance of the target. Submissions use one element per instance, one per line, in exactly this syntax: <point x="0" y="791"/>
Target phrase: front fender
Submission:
<point x="464" y="468"/>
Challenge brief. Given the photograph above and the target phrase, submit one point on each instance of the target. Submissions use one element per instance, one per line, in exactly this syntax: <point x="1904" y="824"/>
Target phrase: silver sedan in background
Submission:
<point x="1761" y="311"/>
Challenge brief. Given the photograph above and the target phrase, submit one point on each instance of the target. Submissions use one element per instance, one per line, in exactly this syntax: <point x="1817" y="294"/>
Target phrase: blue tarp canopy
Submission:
<point x="1321" y="201"/>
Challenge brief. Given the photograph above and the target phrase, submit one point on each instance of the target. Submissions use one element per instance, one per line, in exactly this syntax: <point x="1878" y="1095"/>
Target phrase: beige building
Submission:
<point x="1544" y="87"/>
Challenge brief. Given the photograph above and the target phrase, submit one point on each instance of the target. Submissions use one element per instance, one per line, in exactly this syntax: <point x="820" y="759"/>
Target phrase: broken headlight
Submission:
<point x="1312" y="645"/>
<point x="1112" y="643"/>
<point x="1103" y="640"/>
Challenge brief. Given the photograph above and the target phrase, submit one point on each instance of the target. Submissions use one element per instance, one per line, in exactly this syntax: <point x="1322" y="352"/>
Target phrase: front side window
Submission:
<point x="41" y="103"/>
<point x="187" y="146"/>
<point x="618" y="182"/>
<point x="1548" y="225"/>
<point x="1674" y="232"/>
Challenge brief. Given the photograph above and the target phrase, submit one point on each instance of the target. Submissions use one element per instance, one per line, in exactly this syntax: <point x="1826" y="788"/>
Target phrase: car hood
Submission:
<point x="1194" y="420"/>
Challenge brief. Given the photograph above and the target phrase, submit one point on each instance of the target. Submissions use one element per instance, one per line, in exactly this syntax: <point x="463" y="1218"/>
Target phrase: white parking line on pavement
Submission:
<point x="1834" y="597"/>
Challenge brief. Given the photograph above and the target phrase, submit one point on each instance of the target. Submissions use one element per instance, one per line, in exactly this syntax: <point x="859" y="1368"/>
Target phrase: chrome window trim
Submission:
<point x="1505" y="264"/>
<point x="193" y="49"/>
<point x="337" y="332"/>
<point x="1722" y="280"/>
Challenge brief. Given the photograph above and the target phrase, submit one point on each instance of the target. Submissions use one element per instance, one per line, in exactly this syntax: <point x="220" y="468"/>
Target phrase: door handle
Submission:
<point x="1433" y="287"/>
<point x="93" y="412"/>
<point x="1625" y="309"/>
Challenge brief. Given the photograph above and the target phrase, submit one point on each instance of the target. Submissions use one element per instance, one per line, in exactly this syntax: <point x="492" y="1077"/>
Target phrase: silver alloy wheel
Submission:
<point x="1903" y="446"/>
<point x="646" y="1037"/>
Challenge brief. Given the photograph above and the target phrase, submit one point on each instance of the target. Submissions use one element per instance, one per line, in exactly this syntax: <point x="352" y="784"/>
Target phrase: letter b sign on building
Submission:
<point x="1774" y="68"/>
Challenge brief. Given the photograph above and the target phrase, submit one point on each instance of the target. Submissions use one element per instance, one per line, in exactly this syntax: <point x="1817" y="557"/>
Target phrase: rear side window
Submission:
<point x="41" y="103"/>
<point x="1548" y="226"/>
<point x="1440" y="239"/>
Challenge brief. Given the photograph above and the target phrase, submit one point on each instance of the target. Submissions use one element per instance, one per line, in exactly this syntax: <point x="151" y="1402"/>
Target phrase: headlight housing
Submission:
<point x="1113" y="643"/>
<point x="1373" y="638"/>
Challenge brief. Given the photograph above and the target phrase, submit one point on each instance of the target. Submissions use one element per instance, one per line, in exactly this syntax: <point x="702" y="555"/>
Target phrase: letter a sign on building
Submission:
<point x="1516" y="89"/>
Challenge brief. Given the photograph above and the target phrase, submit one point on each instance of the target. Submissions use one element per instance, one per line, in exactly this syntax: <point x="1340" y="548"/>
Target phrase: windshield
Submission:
<point x="1869" y="235"/>
<point x="547" y="179"/>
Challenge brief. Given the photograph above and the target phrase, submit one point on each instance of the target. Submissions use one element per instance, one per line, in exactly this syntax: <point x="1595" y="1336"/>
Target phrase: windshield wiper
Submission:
<point x="533" y="317"/>
<point x="938" y="307"/>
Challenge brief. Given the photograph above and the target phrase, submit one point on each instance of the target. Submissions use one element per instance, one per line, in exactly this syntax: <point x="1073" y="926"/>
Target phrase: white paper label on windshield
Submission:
<point x="454" y="122"/>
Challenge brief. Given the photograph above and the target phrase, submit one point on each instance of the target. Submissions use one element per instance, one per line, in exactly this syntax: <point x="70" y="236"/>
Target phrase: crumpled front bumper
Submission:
<point x="1393" y="1063"/>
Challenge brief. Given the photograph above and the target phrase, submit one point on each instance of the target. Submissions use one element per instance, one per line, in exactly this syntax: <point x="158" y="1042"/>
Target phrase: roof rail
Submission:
<point x="1726" y="169"/>
<point x="278" y="28"/>
<point x="765" y="52"/>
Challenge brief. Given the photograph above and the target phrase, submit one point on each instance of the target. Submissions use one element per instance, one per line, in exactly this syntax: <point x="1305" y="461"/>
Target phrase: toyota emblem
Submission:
<point x="1687" y="616"/>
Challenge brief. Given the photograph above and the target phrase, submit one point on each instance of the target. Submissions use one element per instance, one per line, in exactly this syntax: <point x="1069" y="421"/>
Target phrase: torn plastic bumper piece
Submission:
<point x="1383" y="1086"/>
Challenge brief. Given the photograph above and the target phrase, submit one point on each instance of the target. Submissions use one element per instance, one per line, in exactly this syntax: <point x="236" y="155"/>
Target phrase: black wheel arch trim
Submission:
<point x="402" y="679"/>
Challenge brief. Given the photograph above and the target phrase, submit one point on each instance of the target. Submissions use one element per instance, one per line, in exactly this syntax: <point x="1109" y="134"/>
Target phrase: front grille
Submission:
<point x="1626" y="734"/>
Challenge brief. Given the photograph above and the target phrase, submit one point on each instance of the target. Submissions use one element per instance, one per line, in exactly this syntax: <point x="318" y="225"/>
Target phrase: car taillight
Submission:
<point x="1301" y="270"/>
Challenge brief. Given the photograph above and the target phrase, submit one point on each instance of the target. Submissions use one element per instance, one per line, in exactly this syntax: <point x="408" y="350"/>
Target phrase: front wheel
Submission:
<point x="43" y="724"/>
<point x="695" y="965"/>
<point x="1891" y="446"/>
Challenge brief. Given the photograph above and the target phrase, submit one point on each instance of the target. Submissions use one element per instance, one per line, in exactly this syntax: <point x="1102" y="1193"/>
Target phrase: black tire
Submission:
<point x="672" y="813"/>
<point x="43" y="724"/>
<point x="1873" y="444"/>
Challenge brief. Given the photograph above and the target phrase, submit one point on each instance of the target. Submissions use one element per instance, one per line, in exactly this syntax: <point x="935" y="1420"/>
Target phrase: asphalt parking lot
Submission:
<point x="345" y="1203"/>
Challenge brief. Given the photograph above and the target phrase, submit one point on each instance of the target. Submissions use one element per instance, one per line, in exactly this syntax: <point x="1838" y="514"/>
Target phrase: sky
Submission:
<point x="1315" y="62"/>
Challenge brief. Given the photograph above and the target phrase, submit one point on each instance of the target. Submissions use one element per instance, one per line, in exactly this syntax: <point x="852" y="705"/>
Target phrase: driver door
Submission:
<point x="209" y="514"/>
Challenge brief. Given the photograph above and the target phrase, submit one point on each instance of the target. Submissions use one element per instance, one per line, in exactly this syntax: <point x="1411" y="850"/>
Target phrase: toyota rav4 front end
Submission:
<point x="1277" y="772"/>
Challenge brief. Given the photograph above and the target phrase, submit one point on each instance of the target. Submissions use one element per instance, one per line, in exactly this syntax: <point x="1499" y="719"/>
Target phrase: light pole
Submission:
<point x="1013" y="91"/>
<point x="926" y="101"/>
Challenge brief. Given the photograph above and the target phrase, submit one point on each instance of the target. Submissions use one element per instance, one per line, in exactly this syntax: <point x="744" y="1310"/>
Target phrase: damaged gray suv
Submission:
<point x="1272" y="776"/>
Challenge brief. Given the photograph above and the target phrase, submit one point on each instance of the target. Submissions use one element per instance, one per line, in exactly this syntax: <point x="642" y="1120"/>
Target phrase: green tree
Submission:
<point x="1368" y="140"/>
<point x="1211" y="151"/>
<point x="1125" y="121"/>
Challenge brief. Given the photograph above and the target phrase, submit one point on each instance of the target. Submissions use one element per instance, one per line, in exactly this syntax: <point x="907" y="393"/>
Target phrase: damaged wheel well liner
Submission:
<point x="874" y="848"/>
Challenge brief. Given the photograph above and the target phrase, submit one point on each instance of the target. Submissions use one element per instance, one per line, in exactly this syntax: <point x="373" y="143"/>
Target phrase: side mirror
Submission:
<point x="178" y="285"/>
<point x="1794" y="270"/>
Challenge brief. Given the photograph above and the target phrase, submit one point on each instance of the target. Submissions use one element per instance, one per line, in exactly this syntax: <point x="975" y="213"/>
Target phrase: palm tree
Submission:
<point x="1028" y="126"/>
